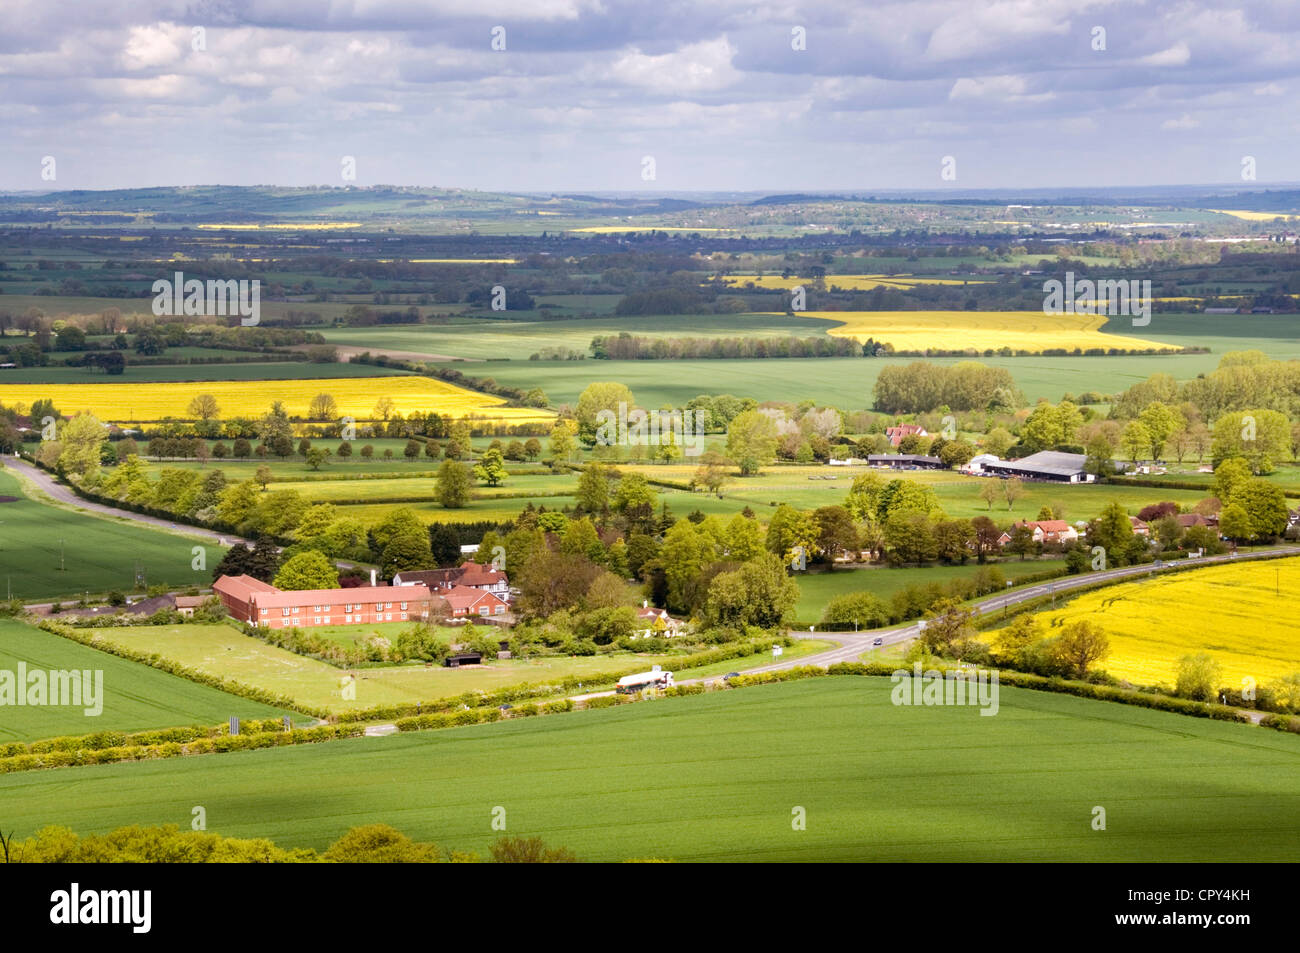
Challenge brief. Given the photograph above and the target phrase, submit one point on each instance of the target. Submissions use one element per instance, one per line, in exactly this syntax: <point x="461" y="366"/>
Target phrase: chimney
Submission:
<point x="373" y="580"/>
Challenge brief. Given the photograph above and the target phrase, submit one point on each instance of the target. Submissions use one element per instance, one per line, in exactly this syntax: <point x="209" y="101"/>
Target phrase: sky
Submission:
<point x="644" y="95"/>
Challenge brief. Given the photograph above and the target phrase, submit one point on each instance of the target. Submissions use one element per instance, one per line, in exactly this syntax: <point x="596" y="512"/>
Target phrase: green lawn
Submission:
<point x="222" y="650"/>
<point x="717" y="778"/>
<point x="816" y="589"/>
<point x="98" y="554"/>
<point x="135" y="697"/>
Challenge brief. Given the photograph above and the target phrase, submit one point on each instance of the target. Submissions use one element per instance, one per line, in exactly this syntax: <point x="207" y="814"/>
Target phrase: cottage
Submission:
<point x="466" y="601"/>
<point x="657" y="622"/>
<point x="1046" y="532"/>
<point x="186" y="605"/>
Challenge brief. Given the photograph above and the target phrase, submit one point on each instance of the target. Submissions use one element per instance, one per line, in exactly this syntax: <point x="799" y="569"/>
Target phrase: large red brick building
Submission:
<point x="258" y="603"/>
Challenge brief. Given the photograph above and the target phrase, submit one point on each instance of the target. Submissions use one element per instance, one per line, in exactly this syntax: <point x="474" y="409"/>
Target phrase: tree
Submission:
<point x="307" y="570"/>
<point x="532" y="448"/>
<point x="1261" y="438"/>
<point x="1022" y="541"/>
<point x="1082" y="644"/>
<point x="563" y="441"/>
<point x="317" y="456"/>
<point x="863" y="610"/>
<point x="82" y="440"/>
<point x="760" y="593"/>
<point x="948" y="629"/>
<point x="791" y="532"/>
<point x="751" y="442"/>
<point x="634" y="497"/>
<point x="904" y="496"/>
<point x="1161" y="421"/>
<point x="242" y="449"/>
<point x="1012" y="490"/>
<point x="203" y="407"/>
<point x="954" y="540"/>
<point x="863" y="501"/>
<point x="455" y="487"/>
<point x="491" y="468"/>
<point x="1230" y="474"/>
<point x="683" y="557"/>
<point x="407" y="549"/>
<point x="908" y="537"/>
<point x="601" y="398"/>
<point x="1137" y="439"/>
<point x="322" y="407"/>
<point x="593" y="489"/>
<point x="383" y="409"/>
<point x="1236" y="524"/>
<point x="1100" y="448"/>
<point x="412" y="449"/>
<point x="1264" y="505"/>
<point x="263" y="477"/>
<point x="1198" y="677"/>
<point x="989" y="492"/>
<point x="345" y="450"/>
<point x="836" y="534"/>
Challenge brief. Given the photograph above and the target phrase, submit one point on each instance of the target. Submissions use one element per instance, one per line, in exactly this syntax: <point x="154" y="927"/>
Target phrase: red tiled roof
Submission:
<point x="467" y="597"/>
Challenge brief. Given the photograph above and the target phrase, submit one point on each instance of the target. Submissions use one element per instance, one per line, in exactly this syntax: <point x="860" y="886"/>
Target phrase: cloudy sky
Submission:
<point x="1018" y="93"/>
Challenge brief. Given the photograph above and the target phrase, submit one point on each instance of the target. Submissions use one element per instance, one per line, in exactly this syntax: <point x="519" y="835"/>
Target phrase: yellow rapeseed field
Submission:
<point x="355" y="397"/>
<point x="1233" y="613"/>
<point x="1030" y="331"/>
<point x="1253" y="216"/>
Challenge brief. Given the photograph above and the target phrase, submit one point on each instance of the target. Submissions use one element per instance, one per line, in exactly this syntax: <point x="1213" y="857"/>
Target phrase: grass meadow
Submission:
<point x="97" y="554"/>
<point x="135" y="697"/>
<point x="716" y="777"/>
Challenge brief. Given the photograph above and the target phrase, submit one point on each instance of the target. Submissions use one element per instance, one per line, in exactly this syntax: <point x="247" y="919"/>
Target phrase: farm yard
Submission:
<point x="625" y="783"/>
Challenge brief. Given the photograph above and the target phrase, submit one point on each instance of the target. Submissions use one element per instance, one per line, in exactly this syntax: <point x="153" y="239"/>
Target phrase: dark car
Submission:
<point x="878" y="642"/>
<point x="730" y="675"/>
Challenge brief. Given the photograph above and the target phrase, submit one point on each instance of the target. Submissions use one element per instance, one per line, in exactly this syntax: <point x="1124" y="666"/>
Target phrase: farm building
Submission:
<point x="1046" y="465"/>
<point x="471" y="574"/>
<point x="1046" y="532"/>
<point x="258" y="603"/>
<point x="905" y="461"/>
<point x="976" y="464"/>
<point x="467" y="601"/>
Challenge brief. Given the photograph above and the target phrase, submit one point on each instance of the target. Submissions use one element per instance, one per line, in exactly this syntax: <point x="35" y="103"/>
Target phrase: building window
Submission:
<point x="286" y="610"/>
<point x="403" y="616"/>
<point x="403" y="607"/>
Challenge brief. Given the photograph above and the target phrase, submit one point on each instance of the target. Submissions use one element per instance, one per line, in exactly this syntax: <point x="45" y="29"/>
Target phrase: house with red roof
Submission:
<point x="1046" y="532"/>
<point x="899" y="431"/>
<point x="471" y="574"/>
<point x="258" y="603"/>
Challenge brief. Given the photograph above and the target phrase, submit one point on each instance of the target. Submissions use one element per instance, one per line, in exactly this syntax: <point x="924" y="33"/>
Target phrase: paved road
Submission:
<point x="64" y="494"/>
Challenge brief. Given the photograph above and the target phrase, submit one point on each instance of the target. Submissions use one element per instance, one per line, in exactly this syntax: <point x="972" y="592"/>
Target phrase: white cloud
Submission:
<point x="699" y="67"/>
<point x="1176" y="55"/>
<point x="1182" y="123"/>
<point x="152" y="46"/>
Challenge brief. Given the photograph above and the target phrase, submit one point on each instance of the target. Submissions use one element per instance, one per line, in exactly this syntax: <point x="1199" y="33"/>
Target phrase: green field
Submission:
<point x="137" y="374"/>
<point x="818" y="588"/>
<point x="717" y="777"/>
<point x="135" y="697"/>
<point x="224" y="651"/>
<point x="98" y="554"/>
